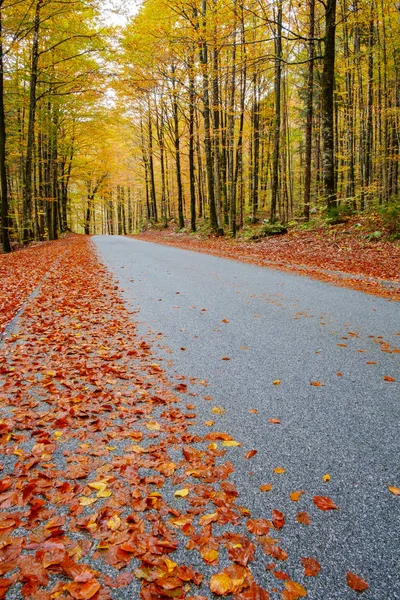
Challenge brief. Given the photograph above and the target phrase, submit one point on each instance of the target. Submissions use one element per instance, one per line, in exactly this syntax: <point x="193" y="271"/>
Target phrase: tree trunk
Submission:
<point x="309" y="110"/>
<point x="277" y="130"/>
<point x="5" y="219"/>
<point x="27" y="199"/>
<point x="327" y="93"/>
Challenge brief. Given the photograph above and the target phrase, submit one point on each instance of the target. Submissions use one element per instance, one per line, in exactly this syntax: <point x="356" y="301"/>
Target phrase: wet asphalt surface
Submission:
<point x="286" y="327"/>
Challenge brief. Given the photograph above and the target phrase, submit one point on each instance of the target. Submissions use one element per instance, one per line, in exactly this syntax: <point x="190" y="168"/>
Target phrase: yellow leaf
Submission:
<point x="181" y="493"/>
<point x="98" y="485"/>
<point x="221" y="584"/>
<point x="231" y="443"/>
<point x="276" y="382"/>
<point x="279" y="470"/>
<point x="18" y="452"/>
<point x="114" y="523"/>
<point x="213" y="446"/>
<point x="394" y="490"/>
<point x="153" y="426"/>
<point x="58" y="434"/>
<point x="209" y="518"/>
<point x="111" y="448"/>
<point x="170" y="564"/>
<point x="84" y="501"/>
<point x="208" y="423"/>
<point x="104" y="494"/>
<point x="326" y="477"/>
<point x="218" y="410"/>
<point x="137" y="449"/>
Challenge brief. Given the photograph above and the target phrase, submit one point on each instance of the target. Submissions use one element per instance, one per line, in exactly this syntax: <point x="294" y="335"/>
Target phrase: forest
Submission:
<point x="195" y="112"/>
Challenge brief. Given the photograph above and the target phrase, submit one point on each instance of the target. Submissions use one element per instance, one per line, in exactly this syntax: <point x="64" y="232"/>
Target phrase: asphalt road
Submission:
<point x="296" y="330"/>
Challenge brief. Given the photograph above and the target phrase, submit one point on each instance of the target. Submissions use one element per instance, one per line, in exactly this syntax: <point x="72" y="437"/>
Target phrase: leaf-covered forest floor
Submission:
<point x="101" y="478"/>
<point x="344" y="254"/>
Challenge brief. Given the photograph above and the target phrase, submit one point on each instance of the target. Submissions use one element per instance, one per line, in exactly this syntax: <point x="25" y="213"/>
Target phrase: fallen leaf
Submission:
<point x="250" y="454"/>
<point x="181" y="493"/>
<point x="311" y="566"/>
<point x="388" y="378"/>
<point x="224" y="321"/>
<point x="114" y="523"/>
<point x="394" y="490"/>
<point x="303" y="518"/>
<point x="356" y="583"/>
<point x="231" y="443"/>
<point x="225" y="358"/>
<point x="326" y="477"/>
<point x="274" y="421"/>
<point x="295" y="496"/>
<point x="221" y="584"/>
<point x="324" y="503"/>
<point x="278" y="519"/>
<point x="84" y="501"/>
<point x="266" y="487"/>
<point x="316" y="383"/>
<point x="279" y="470"/>
<point x="296" y="589"/>
<point x="276" y="382"/>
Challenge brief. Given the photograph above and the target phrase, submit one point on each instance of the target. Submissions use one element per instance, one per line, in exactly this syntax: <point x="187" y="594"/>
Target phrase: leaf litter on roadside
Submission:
<point x="90" y="419"/>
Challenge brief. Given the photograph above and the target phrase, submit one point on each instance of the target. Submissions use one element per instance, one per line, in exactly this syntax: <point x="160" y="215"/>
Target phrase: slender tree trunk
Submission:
<point x="181" y="220"/>
<point x="153" y="197"/>
<point x="27" y="199"/>
<point x="327" y="92"/>
<point x="5" y="219"/>
<point x="277" y="130"/>
<point x="207" y="123"/>
<point x="192" y="180"/>
<point x="309" y="110"/>
<point x="231" y="136"/>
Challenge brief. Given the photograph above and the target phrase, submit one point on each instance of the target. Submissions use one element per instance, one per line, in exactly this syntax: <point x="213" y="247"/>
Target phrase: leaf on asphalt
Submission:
<point x="295" y="589"/>
<point x="295" y="496"/>
<point x="326" y="477"/>
<point x="278" y="519"/>
<point x="225" y="358"/>
<point x="276" y="382"/>
<point x="231" y="443"/>
<point x="356" y="583"/>
<point x="266" y="487"/>
<point x="254" y="592"/>
<point x="324" y="503"/>
<point x="274" y="421"/>
<point x="181" y="493"/>
<point x="224" y="321"/>
<point x="316" y="383"/>
<point x="279" y="470"/>
<point x="250" y="454"/>
<point x="303" y="518"/>
<point x="389" y="378"/>
<point x="311" y="567"/>
<point x="394" y="490"/>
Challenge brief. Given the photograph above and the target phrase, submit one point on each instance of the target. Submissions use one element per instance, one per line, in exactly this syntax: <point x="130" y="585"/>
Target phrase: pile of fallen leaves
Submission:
<point x="340" y="255"/>
<point x="104" y="486"/>
<point x="20" y="273"/>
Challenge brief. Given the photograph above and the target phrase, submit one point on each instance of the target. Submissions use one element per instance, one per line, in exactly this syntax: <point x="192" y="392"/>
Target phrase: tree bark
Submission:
<point x="5" y="218"/>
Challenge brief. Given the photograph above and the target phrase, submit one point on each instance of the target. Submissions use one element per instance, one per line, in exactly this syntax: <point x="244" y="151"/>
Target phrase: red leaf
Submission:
<point x="356" y="583"/>
<point x="324" y="503"/>
<point x="311" y="566"/>
<point x="250" y="454"/>
<point x="278" y="519"/>
<point x="303" y="518"/>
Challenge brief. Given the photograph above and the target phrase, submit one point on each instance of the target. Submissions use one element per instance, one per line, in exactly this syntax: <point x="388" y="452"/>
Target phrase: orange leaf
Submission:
<point x="250" y="454"/>
<point x="225" y="358"/>
<point x="254" y="592"/>
<point x="303" y="518"/>
<point x="278" y="519"/>
<point x="295" y="496"/>
<point x="394" y="490"/>
<point x="266" y="487"/>
<point x="316" y="383"/>
<point x="274" y="421"/>
<point x="224" y="321"/>
<point x="324" y="503"/>
<point x="388" y="378"/>
<point x="296" y="589"/>
<point x="279" y="470"/>
<point x="221" y="584"/>
<point x="356" y="583"/>
<point x="311" y="566"/>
